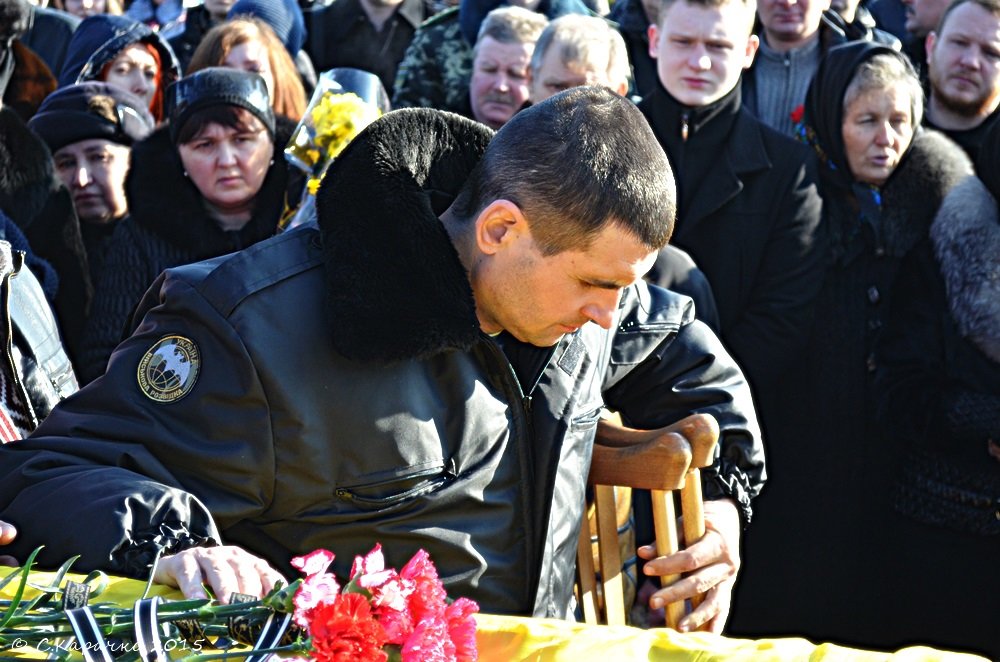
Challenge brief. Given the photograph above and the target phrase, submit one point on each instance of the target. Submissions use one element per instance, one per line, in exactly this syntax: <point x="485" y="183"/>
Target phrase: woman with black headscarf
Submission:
<point x="882" y="178"/>
<point x="939" y="392"/>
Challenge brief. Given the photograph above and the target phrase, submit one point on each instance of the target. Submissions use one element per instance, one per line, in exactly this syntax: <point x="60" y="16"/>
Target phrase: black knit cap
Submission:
<point x="91" y="110"/>
<point x="218" y="86"/>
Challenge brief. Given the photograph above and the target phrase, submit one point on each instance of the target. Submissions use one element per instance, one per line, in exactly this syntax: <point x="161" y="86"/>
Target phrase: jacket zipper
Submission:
<point x="440" y="477"/>
<point x="508" y="378"/>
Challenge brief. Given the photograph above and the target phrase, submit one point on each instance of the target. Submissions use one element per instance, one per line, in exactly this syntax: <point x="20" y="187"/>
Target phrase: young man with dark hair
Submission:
<point x="419" y="371"/>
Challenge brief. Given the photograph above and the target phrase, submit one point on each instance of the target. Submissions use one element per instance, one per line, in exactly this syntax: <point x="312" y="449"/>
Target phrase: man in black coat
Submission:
<point x="363" y="34"/>
<point x="748" y="206"/>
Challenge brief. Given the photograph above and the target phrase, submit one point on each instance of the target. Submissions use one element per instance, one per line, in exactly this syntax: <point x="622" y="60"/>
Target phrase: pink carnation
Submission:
<point x="370" y="571"/>
<point x="398" y="624"/>
<point x="314" y="591"/>
<point x="462" y="628"/>
<point x="314" y="563"/>
<point x="428" y="597"/>
<point x="429" y="643"/>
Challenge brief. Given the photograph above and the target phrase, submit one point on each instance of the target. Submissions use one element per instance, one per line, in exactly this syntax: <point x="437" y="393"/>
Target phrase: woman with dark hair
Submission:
<point x="939" y="394"/>
<point x="210" y="182"/>
<point x="882" y="179"/>
<point x="122" y="52"/>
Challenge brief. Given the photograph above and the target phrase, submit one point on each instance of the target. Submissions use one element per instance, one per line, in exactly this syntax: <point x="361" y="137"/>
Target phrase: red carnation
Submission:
<point x="797" y="113"/>
<point x="346" y="631"/>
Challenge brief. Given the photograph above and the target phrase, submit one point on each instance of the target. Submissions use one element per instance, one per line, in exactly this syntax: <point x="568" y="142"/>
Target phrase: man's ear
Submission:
<point x="753" y="43"/>
<point x="499" y="225"/>
<point x="653" y="33"/>
<point x="929" y="45"/>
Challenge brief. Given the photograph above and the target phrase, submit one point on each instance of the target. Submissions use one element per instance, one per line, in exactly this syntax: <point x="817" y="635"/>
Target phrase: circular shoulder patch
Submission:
<point x="169" y="369"/>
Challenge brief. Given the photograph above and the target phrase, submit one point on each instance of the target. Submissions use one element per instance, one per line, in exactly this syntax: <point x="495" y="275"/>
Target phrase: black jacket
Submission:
<point x="751" y="227"/>
<point x="197" y="22"/>
<point x="32" y="350"/>
<point x="633" y="24"/>
<point x="339" y="31"/>
<point x="831" y="461"/>
<point x="338" y="392"/>
<point x="167" y="226"/>
<point x="49" y="33"/>
<point x="938" y="391"/>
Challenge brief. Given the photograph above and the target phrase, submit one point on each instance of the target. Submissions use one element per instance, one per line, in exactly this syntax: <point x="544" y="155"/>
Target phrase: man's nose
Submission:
<point x="699" y="60"/>
<point x="601" y="310"/>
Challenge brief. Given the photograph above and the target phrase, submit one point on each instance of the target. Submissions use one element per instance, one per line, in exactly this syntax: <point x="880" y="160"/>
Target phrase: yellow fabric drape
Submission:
<point x="511" y="639"/>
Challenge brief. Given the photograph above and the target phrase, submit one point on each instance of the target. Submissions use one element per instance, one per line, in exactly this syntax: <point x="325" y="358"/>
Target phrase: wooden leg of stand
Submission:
<point x="665" y="526"/>
<point x="694" y="516"/>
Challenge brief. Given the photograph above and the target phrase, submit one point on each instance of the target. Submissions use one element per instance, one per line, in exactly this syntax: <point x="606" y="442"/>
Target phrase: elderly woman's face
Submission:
<point x="877" y="130"/>
<point x="228" y="165"/>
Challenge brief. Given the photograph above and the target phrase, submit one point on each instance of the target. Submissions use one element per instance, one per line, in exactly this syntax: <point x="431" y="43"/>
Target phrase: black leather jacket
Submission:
<point x="284" y="445"/>
<point x="30" y="340"/>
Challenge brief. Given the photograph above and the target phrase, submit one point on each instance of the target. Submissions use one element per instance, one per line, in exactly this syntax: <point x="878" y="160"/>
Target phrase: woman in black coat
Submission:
<point x="211" y="182"/>
<point x="812" y="563"/>
<point x="939" y="394"/>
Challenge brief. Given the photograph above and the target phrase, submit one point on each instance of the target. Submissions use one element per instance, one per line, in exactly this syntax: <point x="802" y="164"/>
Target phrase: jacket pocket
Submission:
<point x="398" y="489"/>
<point x="586" y="421"/>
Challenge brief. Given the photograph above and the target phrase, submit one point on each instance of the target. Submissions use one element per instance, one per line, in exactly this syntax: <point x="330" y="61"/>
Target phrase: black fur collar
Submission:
<point x="396" y="288"/>
<point x="911" y="197"/>
<point x="162" y="200"/>
<point x="26" y="171"/>
<point x="966" y="238"/>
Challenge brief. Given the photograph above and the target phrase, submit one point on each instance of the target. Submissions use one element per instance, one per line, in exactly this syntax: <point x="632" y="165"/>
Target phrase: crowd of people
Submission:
<point x="191" y="391"/>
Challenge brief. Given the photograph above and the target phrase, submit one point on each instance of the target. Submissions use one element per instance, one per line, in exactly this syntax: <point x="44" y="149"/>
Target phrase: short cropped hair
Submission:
<point x="883" y="71"/>
<point x="574" y="163"/>
<point x="750" y="5"/>
<point x="991" y="6"/>
<point x="511" y="25"/>
<point x="584" y="40"/>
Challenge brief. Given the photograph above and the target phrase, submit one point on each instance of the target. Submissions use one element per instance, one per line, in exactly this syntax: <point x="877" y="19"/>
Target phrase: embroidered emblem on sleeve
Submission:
<point x="169" y="369"/>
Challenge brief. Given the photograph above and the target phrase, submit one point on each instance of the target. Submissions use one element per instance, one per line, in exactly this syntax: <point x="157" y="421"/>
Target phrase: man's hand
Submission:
<point x="227" y="570"/>
<point x="710" y="566"/>
<point x="7" y="534"/>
